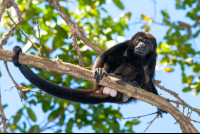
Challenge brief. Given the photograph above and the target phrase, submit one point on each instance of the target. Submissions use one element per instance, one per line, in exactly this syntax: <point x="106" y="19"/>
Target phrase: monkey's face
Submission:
<point x="143" y="46"/>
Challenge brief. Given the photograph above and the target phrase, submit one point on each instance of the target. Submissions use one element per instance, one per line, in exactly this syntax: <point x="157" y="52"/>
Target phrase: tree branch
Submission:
<point x="82" y="73"/>
<point x="20" y="19"/>
<point x="3" y="6"/>
<point x="74" y="27"/>
<point x="20" y="88"/>
<point x="3" y="117"/>
<point x="182" y="102"/>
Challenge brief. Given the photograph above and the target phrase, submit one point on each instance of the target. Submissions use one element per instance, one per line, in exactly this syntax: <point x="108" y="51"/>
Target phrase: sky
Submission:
<point x="171" y="80"/>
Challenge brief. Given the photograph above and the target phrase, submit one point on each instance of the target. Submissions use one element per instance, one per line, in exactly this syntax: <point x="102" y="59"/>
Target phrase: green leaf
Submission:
<point x="62" y="119"/>
<point x="58" y="131"/>
<point x="196" y="34"/>
<point x="34" y="129"/>
<point x="165" y="14"/>
<point x="119" y="4"/>
<point x="17" y="117"/>
<point x="186" y="89"/>
<point x="178" y="3"/>
<point x="104" y="9"/>
<point x="55" y="114"/>
<point x="31" y="114"/>
<point x="166" y="22"/>
<point x="4" y="106"/>
<point x="24" y="123"/>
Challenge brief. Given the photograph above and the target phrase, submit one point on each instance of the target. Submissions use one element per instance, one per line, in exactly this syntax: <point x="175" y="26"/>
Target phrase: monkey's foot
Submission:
<point x="125" y="98"/>
<point x="99" y="73"/>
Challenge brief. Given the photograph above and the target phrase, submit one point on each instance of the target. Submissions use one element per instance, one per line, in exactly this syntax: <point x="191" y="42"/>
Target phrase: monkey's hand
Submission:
<point x="134" y="83"/>
<point x="161" y="111"/>
<point x="99" y="73"/>
<point x="122" y="81"/>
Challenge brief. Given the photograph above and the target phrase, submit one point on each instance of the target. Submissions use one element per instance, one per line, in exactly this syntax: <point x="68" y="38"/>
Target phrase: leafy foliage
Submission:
<point x="176" y="49"/>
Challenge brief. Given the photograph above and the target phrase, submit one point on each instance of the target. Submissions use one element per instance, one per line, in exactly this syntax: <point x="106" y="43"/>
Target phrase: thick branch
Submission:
<point x="3" y="6"/>
<point x="82" y="73"/>
<point x="74" y="27"/>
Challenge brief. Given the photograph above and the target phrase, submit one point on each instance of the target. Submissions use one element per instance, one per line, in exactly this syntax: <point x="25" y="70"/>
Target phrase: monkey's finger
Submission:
<point x="123" y="80"/>
<point x="101" y="74"/>
<point x="95" y="75"/>
<point x="104" y="73"/>
<point x="97" y="79"/>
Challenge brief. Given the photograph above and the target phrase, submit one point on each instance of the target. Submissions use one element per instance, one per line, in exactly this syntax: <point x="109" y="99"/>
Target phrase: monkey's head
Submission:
<point x="143" y="43"/>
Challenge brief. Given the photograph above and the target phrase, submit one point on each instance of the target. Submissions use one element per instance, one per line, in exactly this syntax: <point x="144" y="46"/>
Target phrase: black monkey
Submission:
<point x="134" y="61"/>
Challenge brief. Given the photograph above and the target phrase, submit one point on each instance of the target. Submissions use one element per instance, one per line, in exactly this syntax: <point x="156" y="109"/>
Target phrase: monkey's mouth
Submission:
<point x="140" y="50"/>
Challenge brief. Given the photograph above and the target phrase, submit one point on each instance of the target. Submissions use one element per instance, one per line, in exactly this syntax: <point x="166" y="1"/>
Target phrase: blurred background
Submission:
<point x="174" y="23"/>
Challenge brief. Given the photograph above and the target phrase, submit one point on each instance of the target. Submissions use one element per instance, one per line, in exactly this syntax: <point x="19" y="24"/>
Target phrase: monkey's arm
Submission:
<point x="98" y="70"/>
<point x="77" y="95"/>
<point x="151" y="69"/>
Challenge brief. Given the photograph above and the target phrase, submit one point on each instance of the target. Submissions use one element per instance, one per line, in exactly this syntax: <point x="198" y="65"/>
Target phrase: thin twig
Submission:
<point x="20" y="29"/>
<point x="3" y="117"/>
<point x="4" y="4"/>
<point x="40" y="48"/>
<point x="190" y="114"/>
<point x="137" y="117"/>
<point x="20" y="19"/>
<point x="75" y="45"/>
<point x="176" y="102"/>
<point x="20" y="88"/>
<point x="72" y="26"/>
<point x="155" y="8"/>
<point x="45" y="126"/>
<point x="151" y="122"/>
<point x="157" y="82"/>
<point x="195" y="121"/>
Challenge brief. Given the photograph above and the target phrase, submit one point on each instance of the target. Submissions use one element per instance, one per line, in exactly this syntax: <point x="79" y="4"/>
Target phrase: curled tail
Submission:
<point x="75" y="95"/>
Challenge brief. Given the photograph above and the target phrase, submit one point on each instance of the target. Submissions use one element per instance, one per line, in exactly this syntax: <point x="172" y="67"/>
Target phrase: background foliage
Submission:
<point x="177" y="48"/>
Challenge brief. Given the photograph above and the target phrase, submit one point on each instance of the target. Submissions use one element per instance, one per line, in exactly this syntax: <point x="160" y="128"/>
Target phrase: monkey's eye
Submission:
<point x="148" y="42"/>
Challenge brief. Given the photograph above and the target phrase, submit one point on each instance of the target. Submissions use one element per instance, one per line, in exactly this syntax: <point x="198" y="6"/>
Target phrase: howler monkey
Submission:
<point x="133" y="61"/>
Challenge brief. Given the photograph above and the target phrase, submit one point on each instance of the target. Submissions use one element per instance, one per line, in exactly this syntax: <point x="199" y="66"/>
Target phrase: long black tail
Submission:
<point x="75" y="95"/>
